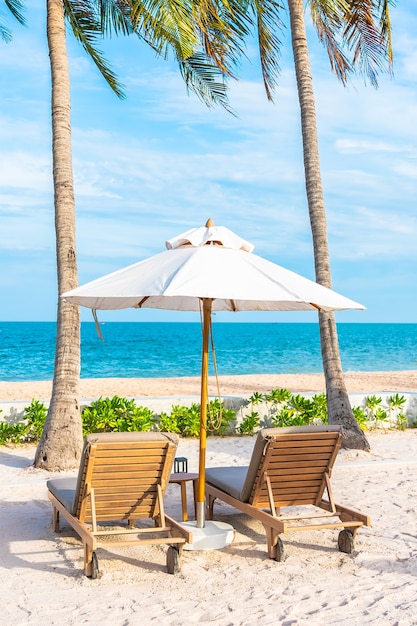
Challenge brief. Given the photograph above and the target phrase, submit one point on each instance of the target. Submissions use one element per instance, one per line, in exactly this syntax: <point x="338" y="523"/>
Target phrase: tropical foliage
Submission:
<point x="278" y="408"/>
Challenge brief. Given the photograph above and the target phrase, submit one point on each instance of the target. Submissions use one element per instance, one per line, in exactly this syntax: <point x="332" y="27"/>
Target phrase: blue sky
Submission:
<point x="160" y="162"/>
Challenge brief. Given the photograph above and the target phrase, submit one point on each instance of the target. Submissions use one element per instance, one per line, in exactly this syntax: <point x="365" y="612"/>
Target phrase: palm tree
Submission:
<point x="364" y="26"/>
<point x="165" y="28"/>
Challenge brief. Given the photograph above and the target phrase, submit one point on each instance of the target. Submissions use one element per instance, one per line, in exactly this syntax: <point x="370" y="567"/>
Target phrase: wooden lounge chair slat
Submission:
<point x="312" y="460"/>
<point x="306" y="447"/>
<point x="282" y="475"/>
<point x="305" y="457"/>
<point x="129" y="445"/>
<point x="294" y="487"/>
<point x="116" y="485"/>
<point x="156" y="467"/>
<point x="108" y="481"/>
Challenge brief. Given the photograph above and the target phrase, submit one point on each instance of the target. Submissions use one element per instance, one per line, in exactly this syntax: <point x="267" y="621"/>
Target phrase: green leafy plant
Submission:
<point x="122" y="414"/>
<point x="396" y="416"/>
<point x="372" y="403"/>
<point x="168" y="423"/>
<point x="188" y="419"/>
<point x="318" y="409"/>
<point x="256" y="398"/>
<point x="35" y="416"/>
<point x="278" y="396"/>
<point x="30" y="429"/>
<point x="12" y="433"/>
<point x="402" y="421"/>
<point x="249" y="423"/>
<point x="296" y="410"/>
<point x="381" y="416"/>
<point x="220" y="421"/>
<point x="115" y="414"/>
<point x="360" y="416"/>
<point x="275" y="400"/>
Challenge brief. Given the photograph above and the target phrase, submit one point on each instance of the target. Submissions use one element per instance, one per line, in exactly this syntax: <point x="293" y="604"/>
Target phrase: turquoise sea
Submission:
<point x="163" y="349"/>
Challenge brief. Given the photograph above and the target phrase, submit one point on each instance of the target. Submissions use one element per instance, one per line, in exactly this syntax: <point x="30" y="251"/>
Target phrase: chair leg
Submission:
<point x="195" y="488"/>
<point x="184" y="507"/>
<point x="273" y="542"/>
<point x="210" y="505"/>
<point x="88" y="557"/>
<point x="56" y="520"/>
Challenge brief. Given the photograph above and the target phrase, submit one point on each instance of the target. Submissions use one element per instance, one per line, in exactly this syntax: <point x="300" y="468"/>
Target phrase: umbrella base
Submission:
<point x="214" y="535"/>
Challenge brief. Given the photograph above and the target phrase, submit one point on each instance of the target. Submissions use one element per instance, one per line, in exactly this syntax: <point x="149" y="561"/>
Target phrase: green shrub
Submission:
<point x="397" y="418"/>
<point x="168" y="424"/>
<point x="220" y="421"/>
<point x="249" y="423"/>
<point x="186" y="420"/>
<point x="12" y="433"/>
<point x="122" y="414"/>
<point x="360" y="416"/>
<point x="35" y="416"/>
<point x="30" y="429"/>
<point x="116" y="414"/>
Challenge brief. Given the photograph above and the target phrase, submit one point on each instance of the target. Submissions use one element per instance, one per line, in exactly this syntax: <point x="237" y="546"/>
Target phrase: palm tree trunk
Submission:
<point x="339" y="409"/>
<point x="61" y="441"/>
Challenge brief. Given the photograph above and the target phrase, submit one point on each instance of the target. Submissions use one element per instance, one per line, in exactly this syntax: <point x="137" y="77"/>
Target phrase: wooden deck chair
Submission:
<point x="290" y="467"/>
<point x="122" y="478"/>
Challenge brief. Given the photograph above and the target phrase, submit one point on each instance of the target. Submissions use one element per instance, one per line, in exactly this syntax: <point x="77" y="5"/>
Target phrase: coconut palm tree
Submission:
<point x="165" y="28"/>
<point x="360" y="27"/>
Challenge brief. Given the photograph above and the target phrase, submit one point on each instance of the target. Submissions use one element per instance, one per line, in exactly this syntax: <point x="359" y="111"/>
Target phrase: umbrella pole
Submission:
<point x="203" y="414"/>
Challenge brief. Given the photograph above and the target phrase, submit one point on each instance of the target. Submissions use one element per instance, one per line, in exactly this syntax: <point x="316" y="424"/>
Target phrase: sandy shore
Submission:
<point x="229" y="385"/>
<point x="41" y="579"/>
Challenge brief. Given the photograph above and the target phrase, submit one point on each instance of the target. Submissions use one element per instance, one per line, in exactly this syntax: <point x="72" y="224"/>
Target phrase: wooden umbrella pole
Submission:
<point x="203" y="413"/>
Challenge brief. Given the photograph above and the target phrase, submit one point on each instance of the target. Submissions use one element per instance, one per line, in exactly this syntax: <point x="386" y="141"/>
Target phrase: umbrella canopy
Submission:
<point x="214" y="263"/>
<point x="207" y="269"/>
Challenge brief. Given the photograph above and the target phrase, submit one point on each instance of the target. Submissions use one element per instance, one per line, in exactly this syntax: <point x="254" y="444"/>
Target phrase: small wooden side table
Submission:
<point x="181" y="478"/>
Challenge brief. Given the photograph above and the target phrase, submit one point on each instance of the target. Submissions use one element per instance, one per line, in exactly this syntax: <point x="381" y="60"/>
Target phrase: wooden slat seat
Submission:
<point x="122" y="479"/>
<point x="290" y="467"/>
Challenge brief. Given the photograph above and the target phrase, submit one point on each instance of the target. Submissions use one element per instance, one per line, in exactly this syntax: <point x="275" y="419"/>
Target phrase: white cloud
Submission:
<point x="358" y="146"/>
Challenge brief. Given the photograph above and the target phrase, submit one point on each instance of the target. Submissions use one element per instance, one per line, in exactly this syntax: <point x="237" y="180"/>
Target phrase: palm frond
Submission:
<point x="201" y="77"/>
<point x="364" y="37"/>
<point x="203" y="35"/>
<point x="386" y="30"/>
<point x="223" y="25"/>
<point x="5" y="32"/>
<point x="16" y="8"/>
<point x="269" y="24"/>
<point x="328" y="17"/>
<point x="166" y="25"/>
<point x="86" y="26"/>
<point x="115" y="17"/>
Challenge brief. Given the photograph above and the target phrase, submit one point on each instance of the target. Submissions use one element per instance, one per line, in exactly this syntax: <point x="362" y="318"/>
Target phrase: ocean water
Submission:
<point x="152" y="350"/>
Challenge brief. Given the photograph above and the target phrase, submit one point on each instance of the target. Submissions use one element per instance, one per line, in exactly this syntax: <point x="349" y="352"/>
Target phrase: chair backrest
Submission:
<point x="124" y="470"/>
<point x="296" y="460"/>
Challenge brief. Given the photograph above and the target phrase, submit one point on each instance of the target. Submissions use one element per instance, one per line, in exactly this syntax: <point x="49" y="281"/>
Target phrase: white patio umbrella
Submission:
<point x="207" y="269"/>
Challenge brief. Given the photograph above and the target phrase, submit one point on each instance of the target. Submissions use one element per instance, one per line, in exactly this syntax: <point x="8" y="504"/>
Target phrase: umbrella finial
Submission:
<point x="209" y="223"/>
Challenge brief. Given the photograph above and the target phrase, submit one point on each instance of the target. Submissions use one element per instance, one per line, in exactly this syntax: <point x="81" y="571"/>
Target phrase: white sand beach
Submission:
<point x="41" y="579"/>
<point x="242" y="385"/>
<point x="42" y="583"/>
